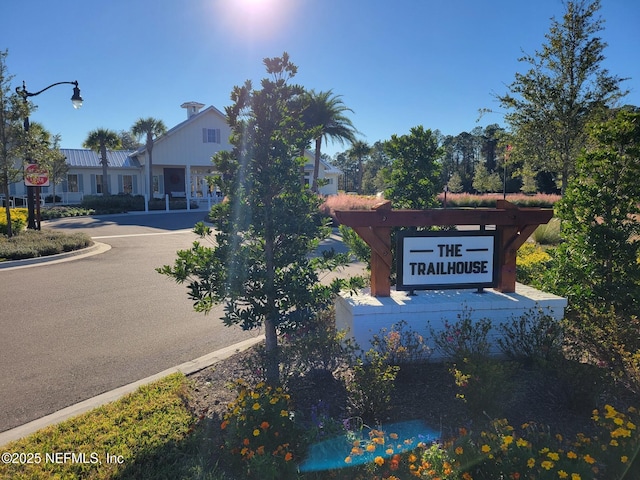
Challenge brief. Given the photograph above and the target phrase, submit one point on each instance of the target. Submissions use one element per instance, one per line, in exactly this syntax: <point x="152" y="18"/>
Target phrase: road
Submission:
<point x="76" y="329"/>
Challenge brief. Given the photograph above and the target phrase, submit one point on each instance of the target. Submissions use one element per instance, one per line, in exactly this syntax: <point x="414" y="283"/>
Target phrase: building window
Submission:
<point x="127" y="184"/>
<point x="72" y="183"/>
<point x="99" y="184"/>
<point x="211" y="135"/>
<point x="156" y="184"/>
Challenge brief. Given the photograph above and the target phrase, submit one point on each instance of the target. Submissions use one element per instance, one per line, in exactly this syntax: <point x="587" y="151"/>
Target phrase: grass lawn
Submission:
<point x="147" y="434"/>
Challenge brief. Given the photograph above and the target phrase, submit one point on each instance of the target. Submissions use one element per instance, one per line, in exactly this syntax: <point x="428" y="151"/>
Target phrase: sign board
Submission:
<point x="36" y="176"/>
<point x="440" y="260"/>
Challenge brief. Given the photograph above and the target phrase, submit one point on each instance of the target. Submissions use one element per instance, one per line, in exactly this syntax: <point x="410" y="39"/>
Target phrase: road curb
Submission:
<point x="94" y="249"/>
<point x="186" y="368"/>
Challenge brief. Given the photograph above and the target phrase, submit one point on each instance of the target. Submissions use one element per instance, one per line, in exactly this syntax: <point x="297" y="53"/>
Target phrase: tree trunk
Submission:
<point x="316" y="166"/>
<point x="150" y="150"/>
<point x="272" y="366"/>
<point x="105" y="181"/>
<point x="7" y="209"/>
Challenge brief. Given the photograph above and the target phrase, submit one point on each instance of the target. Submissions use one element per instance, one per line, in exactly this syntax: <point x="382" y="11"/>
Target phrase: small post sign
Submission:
<point x="441" y="260"/>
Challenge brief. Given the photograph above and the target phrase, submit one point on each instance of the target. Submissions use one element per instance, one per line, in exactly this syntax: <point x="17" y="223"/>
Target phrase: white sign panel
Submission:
<point x="430" y="260"/>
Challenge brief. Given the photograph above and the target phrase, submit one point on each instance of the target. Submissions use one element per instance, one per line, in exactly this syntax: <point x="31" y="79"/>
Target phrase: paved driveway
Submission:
<point x="73" y="330"/>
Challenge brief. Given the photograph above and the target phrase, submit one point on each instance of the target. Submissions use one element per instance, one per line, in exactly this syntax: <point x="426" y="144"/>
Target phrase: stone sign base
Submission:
<point x="363" y="315"/>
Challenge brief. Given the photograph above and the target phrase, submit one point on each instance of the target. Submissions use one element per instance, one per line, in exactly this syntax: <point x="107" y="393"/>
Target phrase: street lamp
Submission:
<point x="33" y="219"/>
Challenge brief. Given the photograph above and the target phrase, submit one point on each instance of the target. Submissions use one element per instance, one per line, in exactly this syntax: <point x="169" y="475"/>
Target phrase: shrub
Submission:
<point x="465" y="338"/>
<point x="532" y="337"/>
<point x="260" y="433"/>
<point x="18" y="220"/>
<point x="113" y="203"/>
<point x="532" y="263"/>
<point x="401" y="345"/>
<point x="371" y="386"/>
<point x="62" y="211"/>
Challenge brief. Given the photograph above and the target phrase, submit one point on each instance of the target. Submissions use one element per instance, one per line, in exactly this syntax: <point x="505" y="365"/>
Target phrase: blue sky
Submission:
<point x="397" y="64"/>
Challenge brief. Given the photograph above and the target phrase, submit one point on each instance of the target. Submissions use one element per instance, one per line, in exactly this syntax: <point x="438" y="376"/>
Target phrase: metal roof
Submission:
<point x="77" y="157"/>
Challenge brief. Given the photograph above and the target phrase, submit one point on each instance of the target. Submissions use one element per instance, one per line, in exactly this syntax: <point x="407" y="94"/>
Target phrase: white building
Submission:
<point x="181" y="162"/>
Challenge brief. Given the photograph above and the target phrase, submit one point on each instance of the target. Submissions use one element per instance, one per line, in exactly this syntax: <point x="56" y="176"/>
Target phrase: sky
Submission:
<point x="396" y="64"/>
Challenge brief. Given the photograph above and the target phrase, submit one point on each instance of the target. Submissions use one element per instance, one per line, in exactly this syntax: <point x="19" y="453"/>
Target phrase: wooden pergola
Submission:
<point x="513" y="224"/>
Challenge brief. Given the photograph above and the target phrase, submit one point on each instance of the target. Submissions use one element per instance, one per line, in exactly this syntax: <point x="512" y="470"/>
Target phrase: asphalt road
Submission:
<point x="76" y="329"/>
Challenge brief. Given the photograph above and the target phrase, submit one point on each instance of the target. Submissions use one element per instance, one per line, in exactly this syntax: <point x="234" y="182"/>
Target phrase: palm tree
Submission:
<point x="149" y="128"/>
<point x="325" y="118"/>
<point x="359" y="149"/>
<point x="99" y="141"/>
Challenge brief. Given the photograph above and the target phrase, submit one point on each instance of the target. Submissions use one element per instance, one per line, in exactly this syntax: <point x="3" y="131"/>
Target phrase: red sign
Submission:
<point x="36" y="176"/>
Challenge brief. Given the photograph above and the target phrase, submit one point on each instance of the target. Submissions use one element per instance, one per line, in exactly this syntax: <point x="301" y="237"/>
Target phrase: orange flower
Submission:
<point x="264" y="425"/>
<point x="288" y="457"/>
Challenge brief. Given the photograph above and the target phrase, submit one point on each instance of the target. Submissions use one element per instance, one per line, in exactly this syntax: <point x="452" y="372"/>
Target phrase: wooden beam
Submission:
<point x="514" y="226"/>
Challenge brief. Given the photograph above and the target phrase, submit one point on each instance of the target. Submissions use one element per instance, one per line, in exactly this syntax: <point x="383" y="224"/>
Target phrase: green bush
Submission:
<point x="63" y="211"/>
<point x="371" y="386"/>
<point x="464" y="339"/>
<point x="113" y="203"/>
<point x="532" y="337"/>
<point x="402" y="345"/>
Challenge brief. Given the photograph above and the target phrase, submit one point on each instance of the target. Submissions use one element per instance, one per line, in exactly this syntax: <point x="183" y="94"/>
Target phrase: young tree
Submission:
<point x="601" y="220"/>
<point x="57" y="165"/>
<point x="565" y="87"/>
<point x="99" y="141"/>
<point x="261" y="266"/>
<point x="12" y="112"/>
<point x="149" y="128"/>
<point x="414" y="181"/>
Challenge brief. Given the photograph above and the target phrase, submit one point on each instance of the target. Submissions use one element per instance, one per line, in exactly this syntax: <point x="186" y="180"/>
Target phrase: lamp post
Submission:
<point x="33" y="219"/>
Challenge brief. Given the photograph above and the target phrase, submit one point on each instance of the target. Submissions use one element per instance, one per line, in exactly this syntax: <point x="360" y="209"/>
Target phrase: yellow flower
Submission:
<point x="412" y="458"/>
<point x="618" y="421"/>
<point x="575" y="476"/>
<point x="379" y="461"/>
<point x="624" y="459"/>
<point x="508" y="440"/>
<point x="256" y="406"/>
<point x="562" y="474"/>
<point x="621" y="432"/>
<point x="284" y="413"/>
<point x="389" y="451"/>
<point x="485" y="448"/>
<point x="571" y="454"/>
<point x="547" y="465"/>
<point x="459" y="451"/>
<point x="348" y="460"/>
<point x="589" y="459"/>
<point x="371" y="447"/>
<point x="553" y="456"/>
<point x="531" y="462"/>
<point x="256" y="432"/>
<point x="613" y="443"/>
<point x="521" y="442"/>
